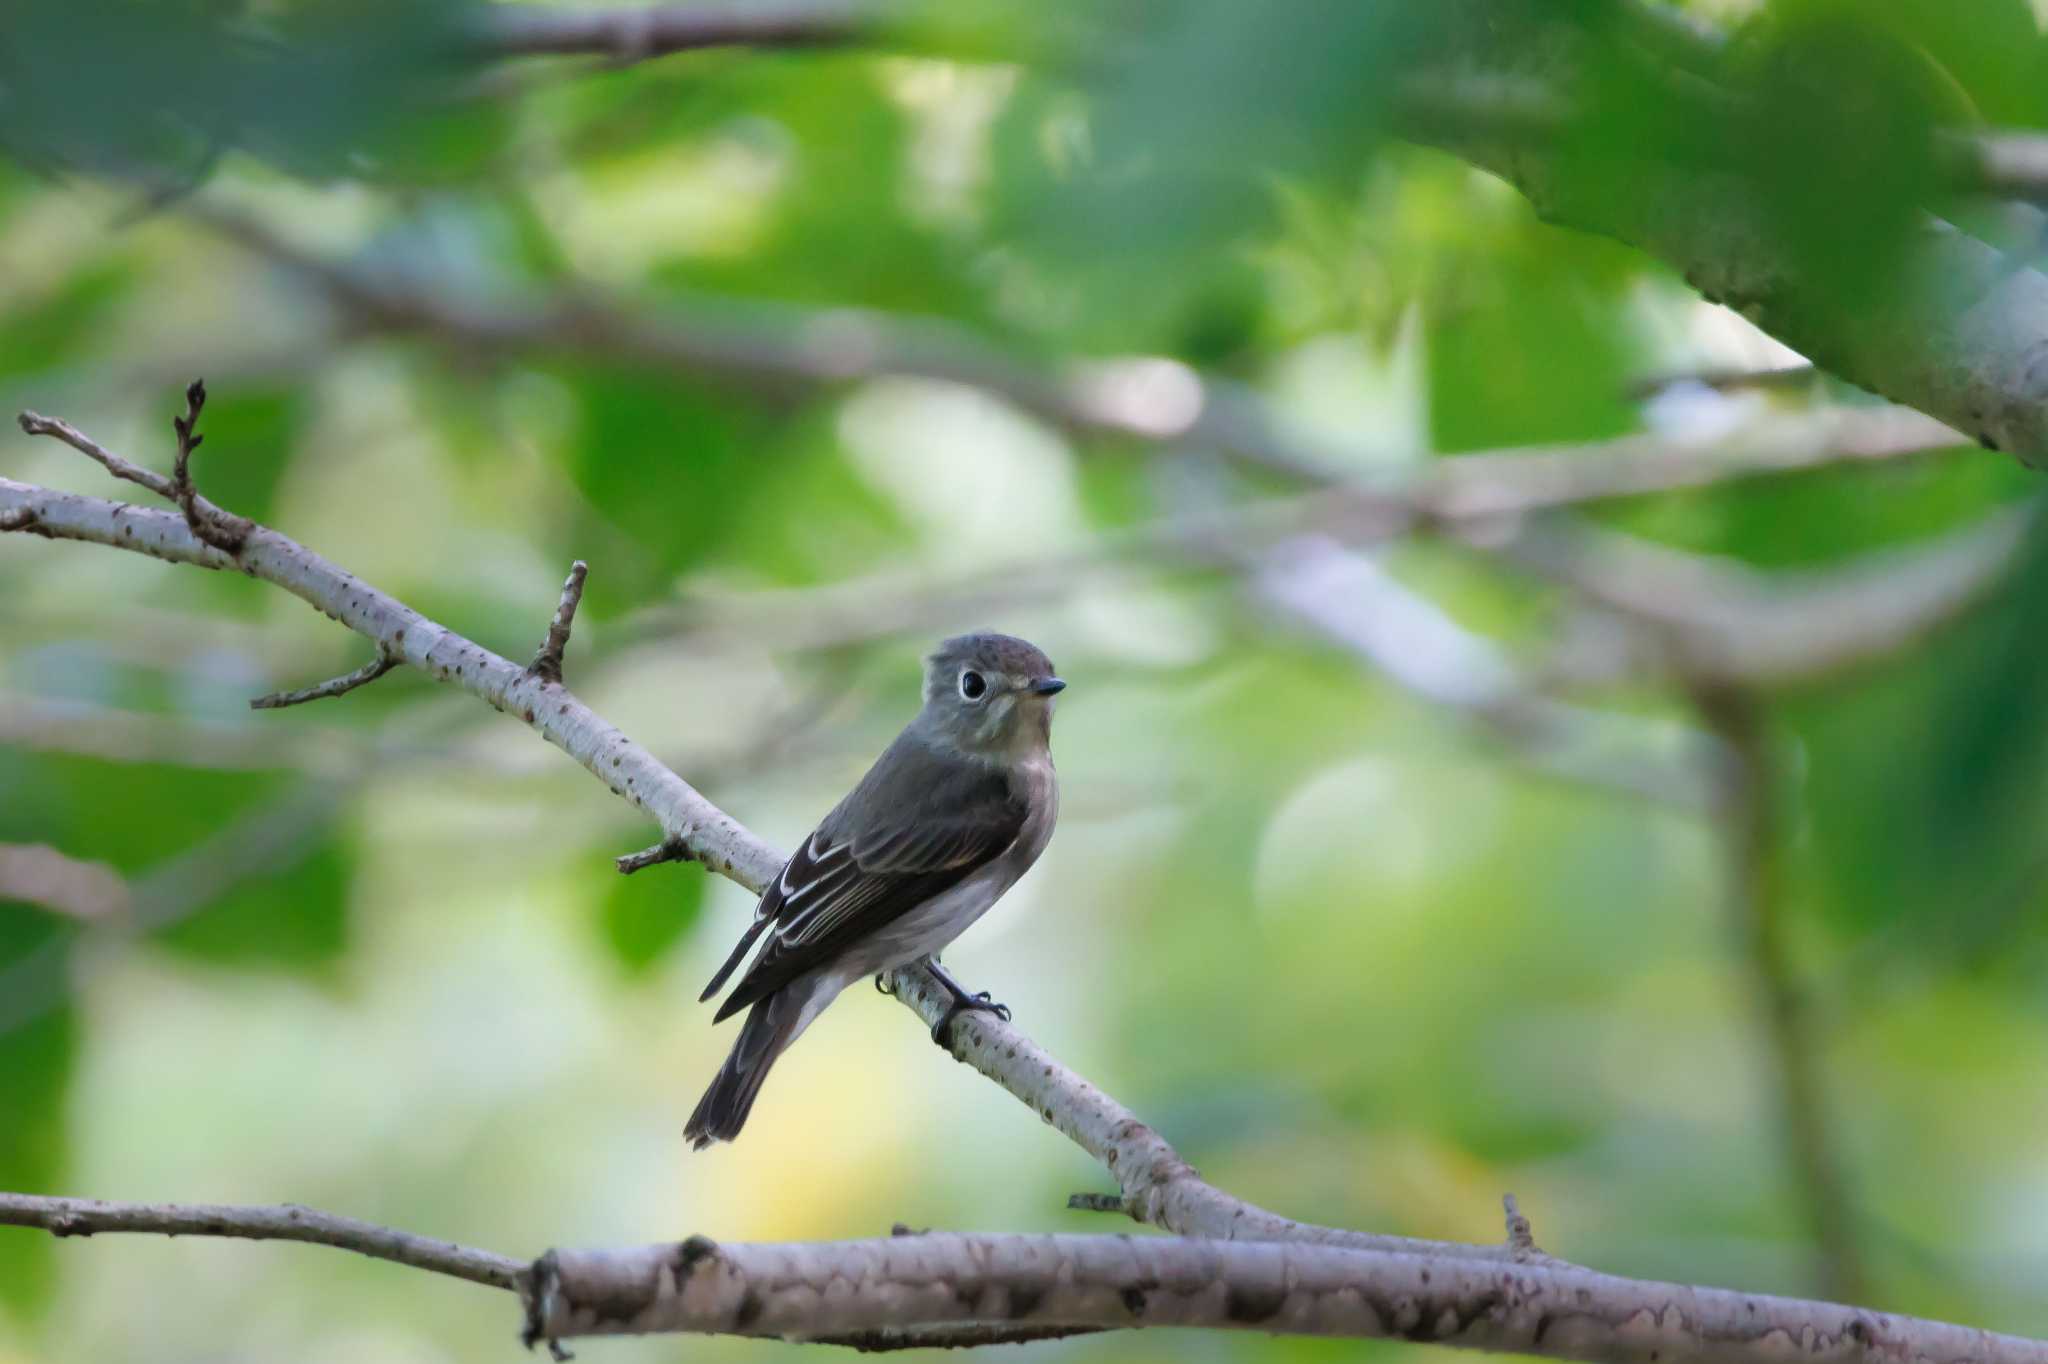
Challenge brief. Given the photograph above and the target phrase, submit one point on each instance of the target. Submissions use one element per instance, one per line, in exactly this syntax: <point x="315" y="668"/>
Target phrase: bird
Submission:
<point x="955" y="810"/>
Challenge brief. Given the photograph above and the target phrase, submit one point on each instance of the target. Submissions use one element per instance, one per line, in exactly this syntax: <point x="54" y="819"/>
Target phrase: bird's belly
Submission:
<point x="936" y="922"/>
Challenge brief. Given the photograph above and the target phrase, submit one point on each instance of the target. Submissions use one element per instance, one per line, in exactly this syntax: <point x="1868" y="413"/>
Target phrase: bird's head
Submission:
<point x="989" y="694"/>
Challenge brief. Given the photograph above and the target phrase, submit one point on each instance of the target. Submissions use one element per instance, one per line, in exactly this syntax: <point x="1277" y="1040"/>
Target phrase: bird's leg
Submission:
<point x="963" y="1002"/>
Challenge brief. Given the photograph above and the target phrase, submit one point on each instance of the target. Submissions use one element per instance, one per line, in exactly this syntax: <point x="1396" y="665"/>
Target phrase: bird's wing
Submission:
<point x="844" y="883"/>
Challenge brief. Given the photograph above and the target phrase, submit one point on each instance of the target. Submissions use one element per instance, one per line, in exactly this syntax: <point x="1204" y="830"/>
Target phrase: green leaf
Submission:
<point x="296" y="919"/>
<point x="35" y="1068"/>
<point x="1925" y="789"/>
<point x="646" y="914"/>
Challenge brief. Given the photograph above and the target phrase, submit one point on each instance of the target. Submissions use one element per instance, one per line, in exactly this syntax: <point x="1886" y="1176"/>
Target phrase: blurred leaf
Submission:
<point x="646" y="914"/>
<point x="1546" y="357"/>
<point x="1925" y="789"/>
<point x="295" y="920"/>
<point x="35" y="1069"/>
<point x="42" y="329"/>
<point x="128" y="814"/>
<point x="310" y="85"/>
<point x="1810" y="519"/>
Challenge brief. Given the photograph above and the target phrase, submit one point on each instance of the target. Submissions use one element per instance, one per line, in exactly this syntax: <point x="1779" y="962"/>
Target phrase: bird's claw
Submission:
<point x="882" y="984"/>
<point x="977" y="1003"/>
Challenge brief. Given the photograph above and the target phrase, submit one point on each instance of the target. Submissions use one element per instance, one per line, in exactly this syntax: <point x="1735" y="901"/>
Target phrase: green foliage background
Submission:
<point x="1354" y="961"/>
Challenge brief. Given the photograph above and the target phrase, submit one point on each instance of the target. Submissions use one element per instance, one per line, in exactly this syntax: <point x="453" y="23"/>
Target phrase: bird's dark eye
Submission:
<point x="972" y="685"/>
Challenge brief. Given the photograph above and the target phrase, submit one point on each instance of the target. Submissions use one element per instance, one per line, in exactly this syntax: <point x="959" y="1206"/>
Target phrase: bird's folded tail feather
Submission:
<point x="771" y="1026"/>
<point x="731" y="962"/>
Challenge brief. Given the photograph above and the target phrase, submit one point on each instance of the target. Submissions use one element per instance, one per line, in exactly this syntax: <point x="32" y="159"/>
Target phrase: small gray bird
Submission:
<point x="951" y="814"/>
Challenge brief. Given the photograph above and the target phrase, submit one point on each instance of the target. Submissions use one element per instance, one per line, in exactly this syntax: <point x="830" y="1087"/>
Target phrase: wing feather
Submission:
<point x="846" y="883"/>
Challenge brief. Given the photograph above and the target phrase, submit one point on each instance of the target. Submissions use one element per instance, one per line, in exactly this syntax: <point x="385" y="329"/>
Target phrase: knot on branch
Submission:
<point x="538" y="1286"/>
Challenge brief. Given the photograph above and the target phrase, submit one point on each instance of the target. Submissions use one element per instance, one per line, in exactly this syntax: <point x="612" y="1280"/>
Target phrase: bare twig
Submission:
<point x="223" y="530"/>
<point x="668" y="850"/>
<point x="1521" y="1239"/>
<point x="35" y="424"/>
<point x="334" y="686"/>
<point x="284" y="1222"/>
<point x="1098" y="1202"/>
<point x="547" y="664"/>
<point x="1751" y="819"/>
<point x="17" y="518"/>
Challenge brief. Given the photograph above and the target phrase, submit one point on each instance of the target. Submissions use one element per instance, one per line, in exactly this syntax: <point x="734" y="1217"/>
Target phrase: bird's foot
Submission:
<point x="942" y="1031"/>
<point x="963" y="1002"/>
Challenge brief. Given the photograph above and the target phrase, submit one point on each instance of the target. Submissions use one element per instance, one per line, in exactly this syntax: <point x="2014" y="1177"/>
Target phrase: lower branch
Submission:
<point x="806" y="1290"/>
<point x="944" y="1289"/>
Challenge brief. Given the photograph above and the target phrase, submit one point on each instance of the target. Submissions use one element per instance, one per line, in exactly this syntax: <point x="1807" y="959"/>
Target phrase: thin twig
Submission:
<point x="35" y="424"/>
<point x="547" y="664"/>
<point x="218" y="528"/>
<point x="668" y="850"/>
<point x="282" y="1222"/>
<point x="1099" y="1202"/>
<point x="335" y="686"/>
<point x="1521" y="1238"/>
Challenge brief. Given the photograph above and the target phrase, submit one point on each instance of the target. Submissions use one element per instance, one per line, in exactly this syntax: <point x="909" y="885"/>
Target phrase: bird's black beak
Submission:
<point x="1048" y="686"/>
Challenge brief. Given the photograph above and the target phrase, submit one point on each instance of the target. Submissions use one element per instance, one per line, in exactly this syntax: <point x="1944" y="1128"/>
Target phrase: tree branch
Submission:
<point x="1537" y="1307"/>
<point x="284" y="1222"/>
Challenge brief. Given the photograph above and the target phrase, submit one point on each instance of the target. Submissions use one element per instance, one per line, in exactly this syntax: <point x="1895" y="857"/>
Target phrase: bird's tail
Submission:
<point x="771" y="1026"/>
